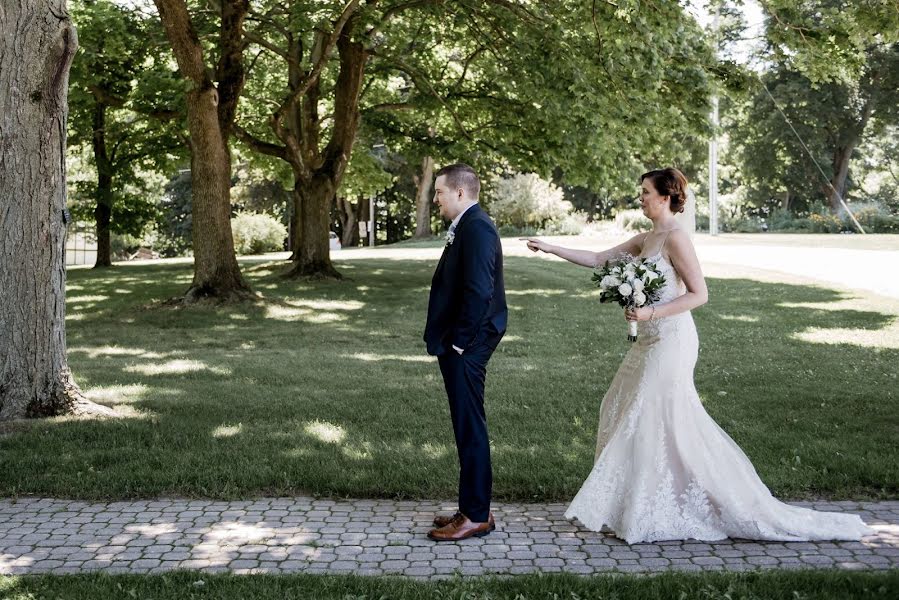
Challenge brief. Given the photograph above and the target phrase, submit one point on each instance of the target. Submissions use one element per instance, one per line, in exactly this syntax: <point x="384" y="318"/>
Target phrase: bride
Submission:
<point x="663" y="469"/>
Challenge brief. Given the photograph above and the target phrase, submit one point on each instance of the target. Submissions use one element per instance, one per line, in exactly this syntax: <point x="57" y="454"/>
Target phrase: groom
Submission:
<point x="466" y="320"/>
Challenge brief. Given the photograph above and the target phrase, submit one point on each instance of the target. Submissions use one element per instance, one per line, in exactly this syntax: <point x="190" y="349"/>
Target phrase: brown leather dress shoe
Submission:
<point x="460" y="528"/>
<point x="443" y="520"/>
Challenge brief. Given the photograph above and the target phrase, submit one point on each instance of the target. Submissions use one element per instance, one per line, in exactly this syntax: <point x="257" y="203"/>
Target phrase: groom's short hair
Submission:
<point x="460" y="175"/>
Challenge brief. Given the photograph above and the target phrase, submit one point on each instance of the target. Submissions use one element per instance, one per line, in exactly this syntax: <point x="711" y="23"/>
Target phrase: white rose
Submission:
<point x="625" y="289"/>
<point x="650" y="275"/>
<point x="638" y="284"/>
<point x="640" y="298"/>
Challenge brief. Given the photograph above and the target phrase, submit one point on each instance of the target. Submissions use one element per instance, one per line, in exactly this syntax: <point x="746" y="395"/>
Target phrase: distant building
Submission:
<point x="81" y="246"/>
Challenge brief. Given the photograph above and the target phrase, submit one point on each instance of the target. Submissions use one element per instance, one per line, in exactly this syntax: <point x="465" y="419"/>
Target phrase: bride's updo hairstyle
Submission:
<point x="669" y="182"/>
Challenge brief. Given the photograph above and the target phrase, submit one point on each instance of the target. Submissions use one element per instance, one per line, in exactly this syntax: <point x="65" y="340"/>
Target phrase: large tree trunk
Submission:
<point x="346" y="214"/>
<point x="104" y="197"/>
<point x="785" y="200"/>
<point x="37" y="43"/>
<point x="349" y="222"/>
<point x="103" y="217"/>
<point x="312" y="254"/>
<point x="210" y="116"/>
<point x="296" y="219"/>
<point x="841" y="156"/>
<point x="216" y="273"/>
<point x="423" y="198"/>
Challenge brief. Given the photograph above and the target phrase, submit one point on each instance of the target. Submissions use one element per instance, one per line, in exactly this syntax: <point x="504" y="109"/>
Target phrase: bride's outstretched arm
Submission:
<point x="682" y="256"/>
<point x="586" y="258"/>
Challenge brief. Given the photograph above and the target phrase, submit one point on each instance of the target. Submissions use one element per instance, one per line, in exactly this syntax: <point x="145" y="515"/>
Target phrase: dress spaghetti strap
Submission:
<point x="664" y="241"/>
<point x="662" y="247"/>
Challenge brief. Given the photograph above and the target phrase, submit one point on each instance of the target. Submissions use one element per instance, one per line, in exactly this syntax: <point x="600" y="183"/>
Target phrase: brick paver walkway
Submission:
<point x="378" y="537"/>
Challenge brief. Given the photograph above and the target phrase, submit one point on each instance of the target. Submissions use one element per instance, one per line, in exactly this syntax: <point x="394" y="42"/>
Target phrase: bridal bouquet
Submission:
<point x="630" y="281"/>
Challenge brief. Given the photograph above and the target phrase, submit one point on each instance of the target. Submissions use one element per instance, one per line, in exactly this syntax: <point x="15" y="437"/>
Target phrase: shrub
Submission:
<point x="873" y="217"/>
<point x="513" y="231"/>
<point x="525" y="200"/>
<point x="821" y="223"/>
<point x="122" y="245"/>
<point x="782" y="220"/>
<point x="745" y="225"/>
<point x="702" y="223"/>
<point x="882" y="224"/>
<point x="874" y="220"/>
<point x="571" y="224"/>
<point x="174" y="223"/>
<point x="255" y="233"/>
<point x="632" y="220"/>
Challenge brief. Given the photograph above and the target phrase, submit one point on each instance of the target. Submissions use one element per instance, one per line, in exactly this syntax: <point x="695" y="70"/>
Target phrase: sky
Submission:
<point x="746" y="51"/>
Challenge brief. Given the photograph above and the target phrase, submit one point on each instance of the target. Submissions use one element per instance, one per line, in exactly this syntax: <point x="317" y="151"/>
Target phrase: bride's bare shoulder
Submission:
<point x="638" y="240"/>
<point x="679" y="243"/>
<point x="680" y="234"/>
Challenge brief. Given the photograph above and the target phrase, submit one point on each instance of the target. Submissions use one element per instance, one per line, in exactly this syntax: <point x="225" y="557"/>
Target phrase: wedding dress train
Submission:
<point x="664" y="470"/>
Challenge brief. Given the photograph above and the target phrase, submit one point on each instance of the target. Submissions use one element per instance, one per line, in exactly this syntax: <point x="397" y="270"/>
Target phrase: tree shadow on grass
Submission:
<point x="325" y="388"/>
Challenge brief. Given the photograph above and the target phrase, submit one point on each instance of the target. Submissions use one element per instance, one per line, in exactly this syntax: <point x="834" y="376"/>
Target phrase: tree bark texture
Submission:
<point x="319" y="180"/>
<point x="423" y="198"/>
<point x="37" y="44"/>
<point x="210" y="116"/>
<point x="350" y="216"/>
<point x="104" y="194"/>
<point x="842" y="156"/>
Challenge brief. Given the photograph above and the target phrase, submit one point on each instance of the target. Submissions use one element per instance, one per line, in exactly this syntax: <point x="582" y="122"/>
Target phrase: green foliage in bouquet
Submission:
<point x="632" y="282"/>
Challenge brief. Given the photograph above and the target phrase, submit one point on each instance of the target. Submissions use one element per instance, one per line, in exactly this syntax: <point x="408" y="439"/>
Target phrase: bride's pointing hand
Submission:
<point x="535" y="244"/>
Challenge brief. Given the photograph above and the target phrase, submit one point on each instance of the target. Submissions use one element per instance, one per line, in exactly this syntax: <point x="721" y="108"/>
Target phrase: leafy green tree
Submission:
<point x="880" y="169"/>
<point x="214" y="73"/>
<point x="830" y="40"/>
<point x="121" y="105"/>
<point x="832" y="118"/>
<point x="174" y="222"/>
<point x="369" y="173"/>
<point x="535" y="85"/>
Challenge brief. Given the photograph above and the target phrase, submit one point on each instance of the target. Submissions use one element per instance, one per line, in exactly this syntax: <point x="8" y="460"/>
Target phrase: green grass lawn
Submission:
<point x="325" y="388"/>
<point x="815" y="585"/>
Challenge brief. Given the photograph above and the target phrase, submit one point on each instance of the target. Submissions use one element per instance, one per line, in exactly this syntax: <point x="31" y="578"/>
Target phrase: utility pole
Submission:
<point x="713" y="143"/>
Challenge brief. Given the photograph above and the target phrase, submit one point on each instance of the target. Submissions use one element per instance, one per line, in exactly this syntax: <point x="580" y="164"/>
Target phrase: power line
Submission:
<point x="811" y="156"/>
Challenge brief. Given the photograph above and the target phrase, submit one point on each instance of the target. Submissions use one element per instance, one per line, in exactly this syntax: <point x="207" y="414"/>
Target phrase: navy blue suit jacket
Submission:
<point x="467" y="304"/>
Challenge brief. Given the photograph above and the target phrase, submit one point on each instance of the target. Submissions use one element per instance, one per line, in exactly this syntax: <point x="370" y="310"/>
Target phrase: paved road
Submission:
<point x="858" y="270"/>
<point x="861" y="269"/>
<point x="867" y="268"/>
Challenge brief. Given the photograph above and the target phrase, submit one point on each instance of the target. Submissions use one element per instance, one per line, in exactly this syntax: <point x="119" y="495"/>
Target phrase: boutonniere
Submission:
<point x="450" y="236"/>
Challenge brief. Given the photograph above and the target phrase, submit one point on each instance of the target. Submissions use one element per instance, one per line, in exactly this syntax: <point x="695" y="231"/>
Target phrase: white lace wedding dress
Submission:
<point x="664" y="470"/>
